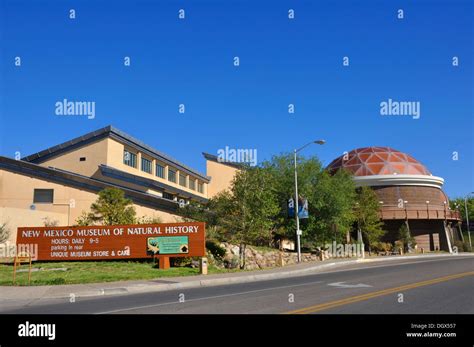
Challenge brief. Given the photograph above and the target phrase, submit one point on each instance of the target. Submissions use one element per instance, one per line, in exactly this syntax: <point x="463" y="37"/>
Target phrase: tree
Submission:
<point x="330" y="198"/>
<point x="458" y="203"/>
<point x="281" y="168"/>
<point x="333" y="199"/>
<point x="248" y="210"/>
<point x="84" y="219"/>
<point x="405" y="237"/>
<point x="210" y="213"/>
<point x="110" y="208"/>
<point x="366" y="215"/>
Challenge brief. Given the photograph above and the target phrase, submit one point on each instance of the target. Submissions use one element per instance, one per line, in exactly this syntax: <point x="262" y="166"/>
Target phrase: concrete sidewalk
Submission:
<point x="10" y="293"/>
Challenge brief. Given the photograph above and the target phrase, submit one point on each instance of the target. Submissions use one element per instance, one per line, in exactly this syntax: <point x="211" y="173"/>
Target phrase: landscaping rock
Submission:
<point x="256" y="258"/>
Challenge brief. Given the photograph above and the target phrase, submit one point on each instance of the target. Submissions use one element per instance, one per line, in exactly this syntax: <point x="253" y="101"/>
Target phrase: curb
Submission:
<point x="135" y="289"/>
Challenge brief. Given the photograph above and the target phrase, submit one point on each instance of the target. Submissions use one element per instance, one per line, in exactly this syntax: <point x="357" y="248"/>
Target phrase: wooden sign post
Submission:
<point x="20" y="258"/>
<point x="164" y="263"/>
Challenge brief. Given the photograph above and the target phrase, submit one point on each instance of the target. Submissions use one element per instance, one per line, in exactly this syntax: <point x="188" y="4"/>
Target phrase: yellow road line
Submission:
<point x="357" y="298"/>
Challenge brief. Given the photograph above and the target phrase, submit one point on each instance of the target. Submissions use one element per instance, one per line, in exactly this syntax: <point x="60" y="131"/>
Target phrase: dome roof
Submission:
<point x="370" y="161"/>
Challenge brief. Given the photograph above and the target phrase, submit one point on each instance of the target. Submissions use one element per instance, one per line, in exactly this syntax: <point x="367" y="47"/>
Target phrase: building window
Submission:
<point x="200" y="187"/>
<point x="172" y="175"/>
<point x="192" y="184"/>
<point x="82" y="159"/>
<point x="129" y="158"/>
<point x="168" y="196"/>
<point x="146" y="165"/>
<point x="43" y="196"/>
<point x="160" y="171"/>
<point x="182" y="180"/>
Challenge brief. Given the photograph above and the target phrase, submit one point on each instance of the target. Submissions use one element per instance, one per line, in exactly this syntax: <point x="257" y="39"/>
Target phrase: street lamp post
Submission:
<point x="298" y="231"/>
<point x="467" y="220"/>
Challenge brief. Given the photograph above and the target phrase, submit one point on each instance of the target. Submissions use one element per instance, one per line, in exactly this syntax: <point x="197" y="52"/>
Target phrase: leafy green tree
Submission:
<point x="248" y="210"/>
<point x="405" y="237"/>
<point x="84" y="219"/>
<point x="110" y="208"/>
<point x="330" y="199"/>
<point x="366" y="215"/>
<point x="333" y="199"/>
<point x="281" y="168"/>
<point x="211" y="213"/>
<point x="458" y="203"/>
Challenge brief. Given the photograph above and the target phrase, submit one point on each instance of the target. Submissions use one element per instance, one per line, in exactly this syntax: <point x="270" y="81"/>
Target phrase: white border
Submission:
<point x="399" y="180"/>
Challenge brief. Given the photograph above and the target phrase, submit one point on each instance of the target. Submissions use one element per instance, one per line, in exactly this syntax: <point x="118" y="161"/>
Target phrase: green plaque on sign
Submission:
<point x="168" y="245"/>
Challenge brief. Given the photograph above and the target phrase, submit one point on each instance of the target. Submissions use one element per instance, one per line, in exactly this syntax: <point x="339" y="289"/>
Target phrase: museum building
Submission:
<point x="57" y="184"/>
<point x="407" y="192"/>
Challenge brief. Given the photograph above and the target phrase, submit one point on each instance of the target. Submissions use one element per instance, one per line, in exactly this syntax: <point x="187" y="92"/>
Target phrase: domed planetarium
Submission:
<point x="407" y="192"/>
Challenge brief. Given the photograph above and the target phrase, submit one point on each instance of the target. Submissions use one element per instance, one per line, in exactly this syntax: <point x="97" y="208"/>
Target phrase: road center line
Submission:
<point x="363" y="297"/>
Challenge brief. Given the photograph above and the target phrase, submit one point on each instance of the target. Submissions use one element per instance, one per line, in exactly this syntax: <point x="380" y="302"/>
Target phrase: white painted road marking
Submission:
<point x="345" y="285"/>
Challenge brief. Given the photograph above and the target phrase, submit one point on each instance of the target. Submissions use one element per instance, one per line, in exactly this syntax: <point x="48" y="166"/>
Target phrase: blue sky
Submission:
<point x="282" y="61"/>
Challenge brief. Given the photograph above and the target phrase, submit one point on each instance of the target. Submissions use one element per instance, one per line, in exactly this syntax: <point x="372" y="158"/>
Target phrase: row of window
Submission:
<point x="130" y="159"/>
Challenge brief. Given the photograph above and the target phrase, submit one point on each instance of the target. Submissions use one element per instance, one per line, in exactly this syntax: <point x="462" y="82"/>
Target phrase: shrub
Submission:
<point x="181" y="261"/>
<point x="232" y="263"/>
<point x="398" y="246"/>
<point x="215" y="249"/>
<point x="48" y="222"/>
<point x="462" y="246"/>
<point x="405" y="237"/>
<point x="4" y="232"/>
<point x="382" y="247"/>
<point x="149" y="220"/>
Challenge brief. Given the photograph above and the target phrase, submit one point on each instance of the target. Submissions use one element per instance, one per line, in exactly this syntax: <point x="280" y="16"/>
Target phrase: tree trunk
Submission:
<point x="242" y="255"/>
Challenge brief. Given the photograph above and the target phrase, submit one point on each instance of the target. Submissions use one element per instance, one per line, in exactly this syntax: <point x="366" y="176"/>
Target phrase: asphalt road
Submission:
<point x="435" y="286"/>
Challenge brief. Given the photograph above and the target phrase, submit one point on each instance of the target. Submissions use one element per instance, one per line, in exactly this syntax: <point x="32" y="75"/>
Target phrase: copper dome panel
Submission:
<point x="378" y="161"/>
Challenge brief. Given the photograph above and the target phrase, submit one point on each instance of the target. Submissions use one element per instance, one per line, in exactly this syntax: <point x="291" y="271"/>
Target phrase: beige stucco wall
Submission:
<point x="16" y="197"/>
<point x="110" y="152"/>
<point x="95" y="154"/>
<point x="221" y="177"/>
<point x="115" y="160"/>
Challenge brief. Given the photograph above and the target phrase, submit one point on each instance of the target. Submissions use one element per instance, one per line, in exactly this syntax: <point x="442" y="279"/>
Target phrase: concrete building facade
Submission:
<point x="57" y="184"/>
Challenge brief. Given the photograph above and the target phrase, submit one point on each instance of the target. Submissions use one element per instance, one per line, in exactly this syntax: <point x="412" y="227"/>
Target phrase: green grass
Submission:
<point x="264" y="249"/>
<point x="94" y="272"/>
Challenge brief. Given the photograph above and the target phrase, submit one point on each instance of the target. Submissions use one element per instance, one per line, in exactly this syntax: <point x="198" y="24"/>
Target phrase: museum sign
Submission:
<point x="115" y="241"/>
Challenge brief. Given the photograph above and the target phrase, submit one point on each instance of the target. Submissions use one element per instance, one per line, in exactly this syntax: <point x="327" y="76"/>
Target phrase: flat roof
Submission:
<point x="112" y="132"/>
